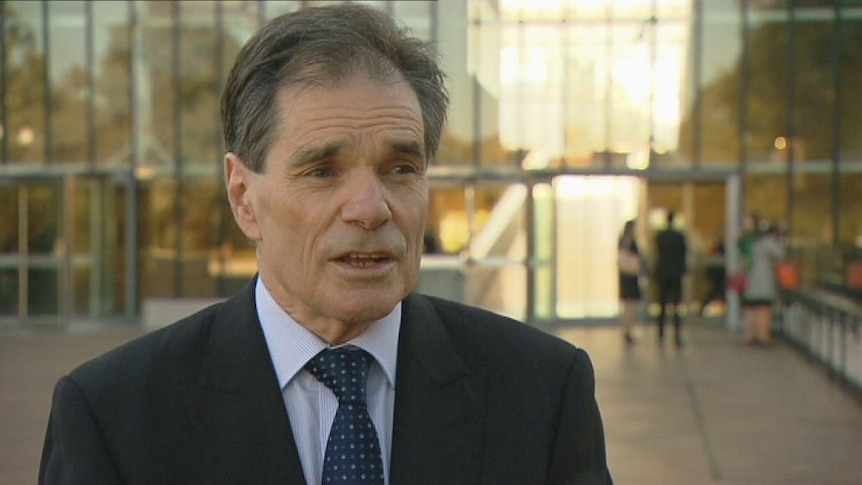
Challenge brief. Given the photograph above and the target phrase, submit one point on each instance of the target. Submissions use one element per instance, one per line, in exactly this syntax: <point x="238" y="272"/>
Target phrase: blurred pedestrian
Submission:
<point x="629" y="266"/>
<point x="762" y="290"/>
<point x="669" y="270"/>
<point x="716" y="277"/>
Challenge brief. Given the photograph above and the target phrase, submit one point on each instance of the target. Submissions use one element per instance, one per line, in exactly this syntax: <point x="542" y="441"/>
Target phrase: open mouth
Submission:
<point x="364" y="260"/>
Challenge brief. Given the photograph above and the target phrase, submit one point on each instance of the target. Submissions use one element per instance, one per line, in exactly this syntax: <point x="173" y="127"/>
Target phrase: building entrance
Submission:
<point x="63" y="251"/>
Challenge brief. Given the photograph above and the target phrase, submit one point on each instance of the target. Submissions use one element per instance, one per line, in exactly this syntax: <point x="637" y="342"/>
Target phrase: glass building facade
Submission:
<point x="568" y="117"/>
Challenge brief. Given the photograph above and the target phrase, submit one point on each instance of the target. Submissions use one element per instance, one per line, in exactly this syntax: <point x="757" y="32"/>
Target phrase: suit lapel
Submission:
<point x="236" y="407"/>
<point x="439" y="403"/>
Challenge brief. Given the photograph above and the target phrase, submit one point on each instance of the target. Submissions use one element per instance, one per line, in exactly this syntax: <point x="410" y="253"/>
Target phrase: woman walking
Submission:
<point x="629" y="267"/>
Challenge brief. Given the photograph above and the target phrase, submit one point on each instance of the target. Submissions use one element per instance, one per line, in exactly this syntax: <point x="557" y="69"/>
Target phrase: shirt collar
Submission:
<point x="291" y="345"/>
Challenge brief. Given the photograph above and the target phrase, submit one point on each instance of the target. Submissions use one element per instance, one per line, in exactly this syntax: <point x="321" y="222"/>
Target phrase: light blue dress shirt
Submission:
<point x="311" y="405"/>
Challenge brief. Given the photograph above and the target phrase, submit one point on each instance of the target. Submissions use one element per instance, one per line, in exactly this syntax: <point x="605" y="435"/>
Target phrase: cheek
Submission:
<point x="415" y="217"/>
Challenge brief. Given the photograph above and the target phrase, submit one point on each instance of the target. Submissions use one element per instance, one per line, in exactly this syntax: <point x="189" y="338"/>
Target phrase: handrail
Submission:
<point x="826" y="300"/>
<point x="827" y="326"/>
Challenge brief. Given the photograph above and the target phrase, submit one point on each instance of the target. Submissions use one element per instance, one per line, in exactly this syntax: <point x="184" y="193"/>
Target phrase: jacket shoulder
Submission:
<point x="164" y="354"/>
<point x="499" y="337"/>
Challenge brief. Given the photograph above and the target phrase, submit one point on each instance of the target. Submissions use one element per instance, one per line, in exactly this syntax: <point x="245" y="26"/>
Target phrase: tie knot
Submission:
<point x="344" y="371"/>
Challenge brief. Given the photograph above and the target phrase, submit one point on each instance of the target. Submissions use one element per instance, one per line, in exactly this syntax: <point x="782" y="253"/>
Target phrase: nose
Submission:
<point x="365" y="201"/>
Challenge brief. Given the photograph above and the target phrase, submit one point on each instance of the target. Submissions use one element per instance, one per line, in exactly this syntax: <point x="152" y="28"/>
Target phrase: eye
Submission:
<point x="405" y="169"/>
<point x="321" y="173"/>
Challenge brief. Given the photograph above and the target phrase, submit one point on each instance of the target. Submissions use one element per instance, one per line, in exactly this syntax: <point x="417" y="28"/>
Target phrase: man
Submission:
<point x="331" y="117"/>
<point x="670" y="268"/>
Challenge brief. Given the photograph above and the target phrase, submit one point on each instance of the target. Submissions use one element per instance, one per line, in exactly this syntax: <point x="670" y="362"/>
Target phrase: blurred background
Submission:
<point x="568" y="118"/>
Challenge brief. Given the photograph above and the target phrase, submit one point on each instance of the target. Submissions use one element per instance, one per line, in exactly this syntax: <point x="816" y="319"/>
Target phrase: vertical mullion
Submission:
<point x="697" y="58"/>
<point x="791" y="112"/>
<point x="131" y="202"/>
<point x="836" y="122"/>
<point x="744" y="79"/>
<point x="91" y="85"/>
<point x="223" y="221"/>
<point x="179" y="209"/>
<point x="4" y="107"/>
<point x="46" y="79"/>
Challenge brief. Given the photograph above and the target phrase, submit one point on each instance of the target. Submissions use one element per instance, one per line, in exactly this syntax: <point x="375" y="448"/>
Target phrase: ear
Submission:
<point x="240" y="181"/>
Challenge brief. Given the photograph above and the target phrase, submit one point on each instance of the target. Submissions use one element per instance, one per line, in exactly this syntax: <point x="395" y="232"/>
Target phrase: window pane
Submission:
<point x="154" y="64"/>
<point x="814" y="84"/>
<point x="766" y="98"/>
<point x="8" y="219"/>
<point x="416" y="16"/>
<point x="716" y="101"/>
<point x="43" y="219"/>
<point x="42" y="291"/>
<point x="850" y="208"/>
<point x="447" y="220"/>
<point x="766" y="194"/>
<point x="25" y="97"/>
<point x="199" y="98"/>
<point x="850" y="37"/>
<point x="465" y="84"/>
<point x="70" y="82"/>
<point x="158" y="237"/>
<point x="8" y="292"/>
<point x="112" y="39"/>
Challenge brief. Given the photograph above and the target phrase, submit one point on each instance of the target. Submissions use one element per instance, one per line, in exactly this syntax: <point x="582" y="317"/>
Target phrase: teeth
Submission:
<point x="363" y="256"/>
<point x="361" y="260"/>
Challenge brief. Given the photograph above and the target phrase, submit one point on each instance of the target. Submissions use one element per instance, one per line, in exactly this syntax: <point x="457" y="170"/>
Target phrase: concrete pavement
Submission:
<point x="714" y="411"/>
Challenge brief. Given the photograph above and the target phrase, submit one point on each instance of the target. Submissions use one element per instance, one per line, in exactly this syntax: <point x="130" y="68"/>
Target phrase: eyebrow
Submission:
<point x="408" y="147"/>
<point x="316" y="154"/>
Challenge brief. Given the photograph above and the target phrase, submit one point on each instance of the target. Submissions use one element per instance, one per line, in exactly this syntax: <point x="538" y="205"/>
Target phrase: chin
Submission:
<point x="367" y="306"/>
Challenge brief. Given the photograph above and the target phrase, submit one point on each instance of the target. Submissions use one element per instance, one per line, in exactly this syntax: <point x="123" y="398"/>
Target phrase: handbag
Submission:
<point x="628" y="262"/>
<point x="738" y="282"/>
<point x="787" y="274"/>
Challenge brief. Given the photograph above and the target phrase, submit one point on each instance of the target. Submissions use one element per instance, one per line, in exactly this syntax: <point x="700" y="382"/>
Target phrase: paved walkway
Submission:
<point x="712" y="412"/>
<point x="717" y="411"/>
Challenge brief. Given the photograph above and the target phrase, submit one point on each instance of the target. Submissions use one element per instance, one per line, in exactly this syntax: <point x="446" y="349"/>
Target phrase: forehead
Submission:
<point x="357" y="102"/>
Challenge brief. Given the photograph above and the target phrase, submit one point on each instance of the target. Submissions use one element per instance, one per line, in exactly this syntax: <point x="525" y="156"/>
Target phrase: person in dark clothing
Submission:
<point x="669" y="269"/>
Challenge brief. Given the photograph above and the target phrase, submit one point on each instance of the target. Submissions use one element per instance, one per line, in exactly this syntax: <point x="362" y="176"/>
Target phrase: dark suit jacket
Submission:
<point x="479" y="399"/>
<point x="671" y="248"/>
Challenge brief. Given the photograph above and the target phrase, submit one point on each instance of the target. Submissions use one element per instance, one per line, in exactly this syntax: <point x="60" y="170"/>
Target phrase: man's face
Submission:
<point x="340" y="210"/>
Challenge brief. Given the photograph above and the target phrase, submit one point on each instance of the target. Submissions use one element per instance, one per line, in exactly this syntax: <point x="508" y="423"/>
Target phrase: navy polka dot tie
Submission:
<point x="352" y="450"/>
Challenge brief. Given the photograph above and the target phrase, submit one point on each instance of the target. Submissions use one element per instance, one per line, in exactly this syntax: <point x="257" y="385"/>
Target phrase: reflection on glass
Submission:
<point x="812" y="221"/>
<point x="814" y="86"/>
<point x="70" y="82"/>
<point x="82" y="296"/>
<point x="585" y="93"/>
<point x="112" y="41"/>
<point x="25" y="82"/>
<point x="8" y="219"/>
<point x="43" y="219"/>
<point x="42" y="291"/>
<point x="199" y="85"/>
<point x="767" y="195"/>
<point x="710" y="129"/>
<point x="766" y="99"/>
<point x="850" y="209"/>
<point x="415" y="15"/>
<point x="8" y="292"/>
<point x="158" y="237"/>
<point x="590" y="211"/>
<point x="497" y="226"/>
<point x="499" y="288"/>
<point x="447" y="220"/>
<point x="850" y="37"/>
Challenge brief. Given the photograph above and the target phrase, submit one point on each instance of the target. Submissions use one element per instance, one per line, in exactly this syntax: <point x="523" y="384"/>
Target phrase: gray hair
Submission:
<point x="317" y="46"/>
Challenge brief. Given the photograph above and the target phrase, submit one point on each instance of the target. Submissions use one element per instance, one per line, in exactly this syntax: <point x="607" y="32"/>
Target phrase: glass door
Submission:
<point x="31" y="251"/>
